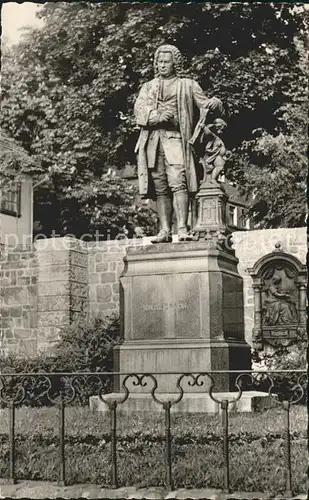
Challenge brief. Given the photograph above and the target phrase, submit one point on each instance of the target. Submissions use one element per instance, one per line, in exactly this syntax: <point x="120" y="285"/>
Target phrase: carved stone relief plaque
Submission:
<point x="279" y="283"/>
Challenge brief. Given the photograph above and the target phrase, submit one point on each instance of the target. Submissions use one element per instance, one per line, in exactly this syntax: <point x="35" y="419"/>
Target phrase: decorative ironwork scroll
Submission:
<point x="61" y="390"/>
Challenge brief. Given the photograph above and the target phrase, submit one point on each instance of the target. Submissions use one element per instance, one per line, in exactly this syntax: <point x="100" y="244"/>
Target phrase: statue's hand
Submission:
<point x="214" y="104"/>
<point x="154" y="118"/>
<point x="166" y="116"/>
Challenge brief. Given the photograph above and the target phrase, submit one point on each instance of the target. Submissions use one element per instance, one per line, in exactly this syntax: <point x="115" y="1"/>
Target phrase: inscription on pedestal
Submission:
<point x="166" y="307"/>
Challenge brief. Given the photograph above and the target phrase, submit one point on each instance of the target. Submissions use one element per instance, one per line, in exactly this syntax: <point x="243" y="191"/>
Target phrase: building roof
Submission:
<point x="9" y="145"/>
<point x="236" y="194"/>
<point x="27" y="164"/>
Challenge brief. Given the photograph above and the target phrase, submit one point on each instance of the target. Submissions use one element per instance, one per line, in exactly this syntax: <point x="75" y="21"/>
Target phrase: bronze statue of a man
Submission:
<point x="164" y="110"/>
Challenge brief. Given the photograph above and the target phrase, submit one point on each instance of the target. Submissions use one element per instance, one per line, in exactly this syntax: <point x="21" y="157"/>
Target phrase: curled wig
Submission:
<point x="177" y="58"/>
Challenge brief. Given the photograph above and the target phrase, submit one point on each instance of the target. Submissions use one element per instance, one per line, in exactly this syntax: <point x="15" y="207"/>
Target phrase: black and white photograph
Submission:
<point x="153" y="250"/>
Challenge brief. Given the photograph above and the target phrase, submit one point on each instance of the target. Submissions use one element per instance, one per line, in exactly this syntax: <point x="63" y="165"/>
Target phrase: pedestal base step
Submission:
<point x="250" y="401"/>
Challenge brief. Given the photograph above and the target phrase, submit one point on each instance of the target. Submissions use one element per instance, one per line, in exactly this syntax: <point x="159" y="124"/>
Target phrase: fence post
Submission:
<point x="62" y="480"/>
<point x="113" y="428"/>
<point x="287" y="449"/>
<point x="168" y="454"/>
<point x="225" y="428"/>
<point x="12" y="441"/>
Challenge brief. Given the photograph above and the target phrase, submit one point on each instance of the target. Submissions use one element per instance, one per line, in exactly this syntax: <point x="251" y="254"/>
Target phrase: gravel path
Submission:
<point x="39" y="489"/>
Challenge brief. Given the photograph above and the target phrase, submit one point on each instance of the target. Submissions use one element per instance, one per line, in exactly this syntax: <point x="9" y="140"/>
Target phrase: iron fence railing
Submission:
<point x="285" y="387"/>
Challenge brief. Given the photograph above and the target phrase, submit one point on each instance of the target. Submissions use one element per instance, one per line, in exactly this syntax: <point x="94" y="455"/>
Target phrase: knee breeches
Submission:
<point x="166" y="177"/>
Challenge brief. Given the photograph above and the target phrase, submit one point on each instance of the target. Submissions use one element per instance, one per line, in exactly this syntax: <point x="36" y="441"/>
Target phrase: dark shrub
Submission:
<point x="291" y="357"/>
<point x="84" y="346"/>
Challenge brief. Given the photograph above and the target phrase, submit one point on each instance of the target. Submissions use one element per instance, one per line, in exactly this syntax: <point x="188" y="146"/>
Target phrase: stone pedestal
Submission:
<point x="182" y="311"/>
<point x="211" y="200"/>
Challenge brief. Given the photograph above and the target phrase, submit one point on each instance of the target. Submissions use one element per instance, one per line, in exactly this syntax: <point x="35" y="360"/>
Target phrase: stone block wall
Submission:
<point x="62" y="286"/>
<point x="18" y="301"/>
<point x="44" y="289"/>
<point x="105" y="264"/>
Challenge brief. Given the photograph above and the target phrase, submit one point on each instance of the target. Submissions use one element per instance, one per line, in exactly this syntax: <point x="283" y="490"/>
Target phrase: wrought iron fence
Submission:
<point x="62" y="389"/>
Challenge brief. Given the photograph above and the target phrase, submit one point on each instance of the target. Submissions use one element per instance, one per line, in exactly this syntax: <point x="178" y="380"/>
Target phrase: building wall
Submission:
<point x="62" y="286"/>
<point x="18" y="230"/>
<point x="105" y="263"/>
<point x="45" y="289"/>
<point x="18" y="301"/>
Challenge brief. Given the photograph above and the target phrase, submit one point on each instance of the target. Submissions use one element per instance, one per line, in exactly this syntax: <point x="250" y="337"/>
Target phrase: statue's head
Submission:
<point x="276" y="280"/>
<point x="167" y="61"/>
<point x="220" y="125"/>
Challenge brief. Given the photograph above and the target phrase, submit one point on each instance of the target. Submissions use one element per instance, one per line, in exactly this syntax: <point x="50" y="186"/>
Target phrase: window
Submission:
<point x="243" y="218"/>
<point x="232" y="219"/>
<point x="10" y="200"/>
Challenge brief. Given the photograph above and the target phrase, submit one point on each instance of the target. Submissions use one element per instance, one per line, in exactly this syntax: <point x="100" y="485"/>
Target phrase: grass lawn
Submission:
<point x="256" y="448"/>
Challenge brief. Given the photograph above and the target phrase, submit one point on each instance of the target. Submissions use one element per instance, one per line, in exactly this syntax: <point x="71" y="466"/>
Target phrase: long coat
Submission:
<point x="189" y="96"/>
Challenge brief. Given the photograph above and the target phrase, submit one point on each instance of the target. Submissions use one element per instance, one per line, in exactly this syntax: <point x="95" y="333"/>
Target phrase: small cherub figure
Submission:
<point x="215" y="153"/>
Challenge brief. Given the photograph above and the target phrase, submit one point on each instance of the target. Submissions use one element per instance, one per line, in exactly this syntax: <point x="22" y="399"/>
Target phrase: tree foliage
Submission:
<point x="68" y="93"/>
<point x="273" y="166"/>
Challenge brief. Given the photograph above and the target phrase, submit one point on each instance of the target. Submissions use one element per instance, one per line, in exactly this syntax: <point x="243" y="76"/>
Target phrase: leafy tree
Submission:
<point x="273" y="166"/>
<point x="68" y="93"/>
